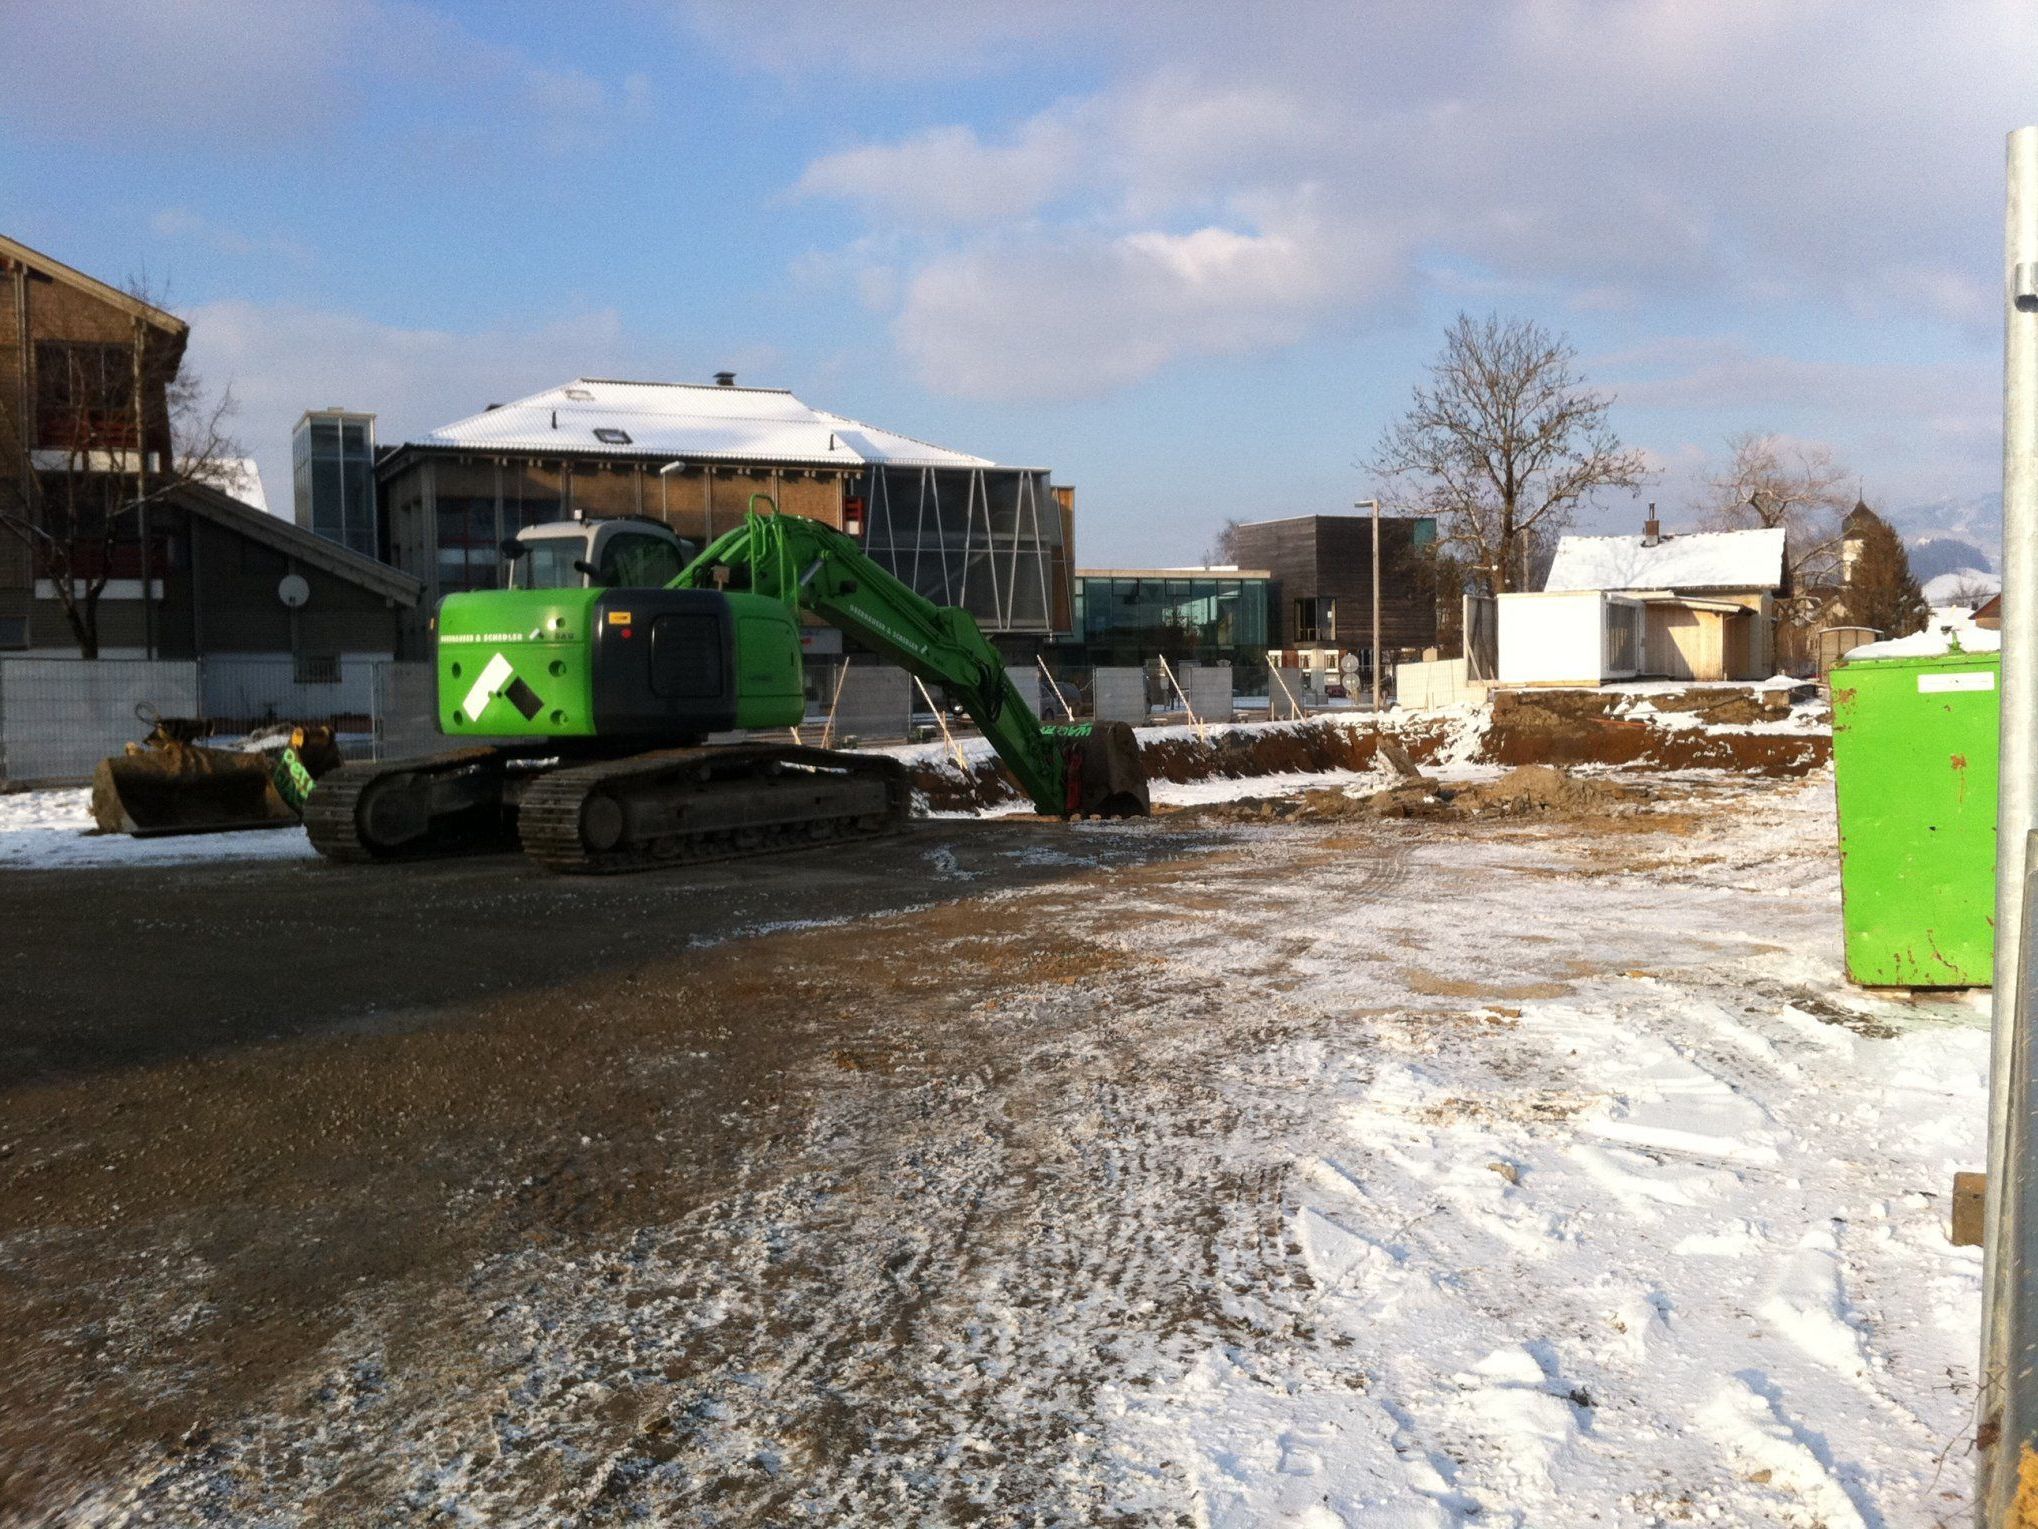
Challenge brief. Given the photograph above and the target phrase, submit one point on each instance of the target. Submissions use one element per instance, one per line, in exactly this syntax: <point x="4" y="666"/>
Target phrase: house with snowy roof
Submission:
<point x="962" y="529"/>
<point x="1700" y="606"/>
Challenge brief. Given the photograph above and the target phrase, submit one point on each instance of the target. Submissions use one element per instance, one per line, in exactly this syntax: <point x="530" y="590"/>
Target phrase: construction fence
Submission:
<point x="60" y="716"/>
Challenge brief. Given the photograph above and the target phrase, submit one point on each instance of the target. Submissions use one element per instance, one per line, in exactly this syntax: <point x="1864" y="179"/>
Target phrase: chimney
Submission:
<point x="1652" y="529"/>
<point x="725" y="379"/>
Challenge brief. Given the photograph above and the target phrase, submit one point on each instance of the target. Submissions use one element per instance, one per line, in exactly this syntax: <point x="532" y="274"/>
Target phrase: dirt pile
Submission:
<point x="1328" y="805"/>
<point x="1535" y="789"/>
<point x="1229" y="753"/>
<point x="1531" y="791"/>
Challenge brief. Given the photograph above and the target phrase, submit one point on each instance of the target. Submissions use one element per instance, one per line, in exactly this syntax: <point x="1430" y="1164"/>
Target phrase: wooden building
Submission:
<point x="90" y="491"/>
<point x="1320" y="596"/>
<point x="961" y="529"/>
<point x="84" y="420"/>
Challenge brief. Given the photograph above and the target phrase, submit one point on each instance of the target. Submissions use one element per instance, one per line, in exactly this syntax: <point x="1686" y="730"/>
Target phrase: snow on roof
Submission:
<point x="1705" y="560"/>
<point x="598" y="416"/>
<point x="1945" y="588"/>
<point x="240" y="478"/>
<point x="1951" y="630"/>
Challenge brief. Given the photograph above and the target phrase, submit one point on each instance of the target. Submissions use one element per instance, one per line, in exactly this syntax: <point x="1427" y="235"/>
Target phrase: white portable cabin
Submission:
<point x="1570" y="637"/>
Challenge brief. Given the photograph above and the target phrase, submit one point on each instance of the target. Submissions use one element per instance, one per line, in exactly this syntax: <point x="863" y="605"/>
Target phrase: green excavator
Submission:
<point x="590" y="706"/>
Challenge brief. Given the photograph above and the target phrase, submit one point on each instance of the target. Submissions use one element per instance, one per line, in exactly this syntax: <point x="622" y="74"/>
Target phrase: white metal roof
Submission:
<point x="242" y="479"/>
<point x="687" y="420"/>
<point x="1704" y="560"/>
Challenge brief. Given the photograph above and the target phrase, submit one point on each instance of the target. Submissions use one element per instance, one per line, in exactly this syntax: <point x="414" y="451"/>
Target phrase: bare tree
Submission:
<point x="1223" y="549"/>
<point x="1797" y="485"/>
<point x="1972" y="590"/>
<point x="115" y="426"/>
<point x="1502" y="444"/>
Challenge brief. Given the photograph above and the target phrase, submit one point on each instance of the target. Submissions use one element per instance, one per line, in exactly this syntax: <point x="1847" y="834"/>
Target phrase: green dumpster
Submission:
<point x="1914" y="769"/>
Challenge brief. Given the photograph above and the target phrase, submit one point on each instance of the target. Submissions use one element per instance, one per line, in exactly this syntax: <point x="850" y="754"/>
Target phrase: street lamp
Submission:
<point x="663" y="473"/>
<point x="1374" y="506"/>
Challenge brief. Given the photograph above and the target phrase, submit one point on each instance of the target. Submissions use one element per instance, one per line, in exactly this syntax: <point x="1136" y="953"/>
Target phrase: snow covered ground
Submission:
<point x="1386" y="1175"/>
<point x="1613" y="1203"/>
<point x="52" y="830"/>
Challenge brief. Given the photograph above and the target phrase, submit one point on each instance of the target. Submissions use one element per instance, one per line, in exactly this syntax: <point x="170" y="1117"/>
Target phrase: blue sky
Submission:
<point x="1190" y="255"/>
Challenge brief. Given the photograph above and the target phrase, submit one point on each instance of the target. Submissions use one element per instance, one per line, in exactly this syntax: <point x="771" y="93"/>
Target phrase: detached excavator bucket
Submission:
<point x="169" y="786"/>
<point x="1111" y="782"/>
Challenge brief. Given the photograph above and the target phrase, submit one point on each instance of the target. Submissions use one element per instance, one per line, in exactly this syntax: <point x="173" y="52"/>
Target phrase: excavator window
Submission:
<point x="548" y="564"/>
<point x="638" y="562"/>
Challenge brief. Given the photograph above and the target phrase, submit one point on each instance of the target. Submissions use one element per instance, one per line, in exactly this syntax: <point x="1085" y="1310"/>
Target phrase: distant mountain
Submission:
<point x="1945" y="535"/>
<point x="1934" y="555"/>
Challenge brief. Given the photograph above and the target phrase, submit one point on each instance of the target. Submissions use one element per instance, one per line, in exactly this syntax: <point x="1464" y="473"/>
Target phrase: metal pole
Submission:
<point x="2007" y="1400"/>
<point x="1375" y="505"/>
<point x="664" y="473"/>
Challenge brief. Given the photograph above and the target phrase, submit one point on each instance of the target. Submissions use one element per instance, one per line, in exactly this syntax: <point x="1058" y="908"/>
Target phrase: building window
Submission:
<point x="84" y="395"/>
<point x="612" y="436"/>
<point x="13" y="631"/>
<point x="318" y="669"/>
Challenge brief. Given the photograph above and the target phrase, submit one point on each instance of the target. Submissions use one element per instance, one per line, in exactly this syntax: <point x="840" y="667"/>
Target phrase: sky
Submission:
<point x="1191" y="255"/>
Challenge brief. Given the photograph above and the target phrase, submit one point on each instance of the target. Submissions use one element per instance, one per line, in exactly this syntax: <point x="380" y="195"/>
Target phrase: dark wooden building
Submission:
<point x="90" y="492"/>
<point x="1320" y="571"/>
<point x="84" y="420"/>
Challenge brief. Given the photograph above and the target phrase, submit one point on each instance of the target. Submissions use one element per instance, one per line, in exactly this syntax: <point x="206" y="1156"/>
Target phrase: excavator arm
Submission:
<point x="1079" y="769"/>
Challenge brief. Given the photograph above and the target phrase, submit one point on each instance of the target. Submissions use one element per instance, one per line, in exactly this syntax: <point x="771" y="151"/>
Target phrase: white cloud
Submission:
<point x="183" y="223"/>
<point x="282" y="359"/>
<point x="1912" y="427"/>
<point x="1613" y="159"/>
<point x="1076" y="314"/>
<point x="947" y="176"/>
<point x="269" y="72"/>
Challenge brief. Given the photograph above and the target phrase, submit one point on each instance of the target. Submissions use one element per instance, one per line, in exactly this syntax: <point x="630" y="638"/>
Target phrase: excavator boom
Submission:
<point x="1077" y="770"/>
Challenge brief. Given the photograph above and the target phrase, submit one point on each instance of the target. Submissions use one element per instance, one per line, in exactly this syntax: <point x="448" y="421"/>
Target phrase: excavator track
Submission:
<point x="685" y="806"/>
<point x="412" y="809"/>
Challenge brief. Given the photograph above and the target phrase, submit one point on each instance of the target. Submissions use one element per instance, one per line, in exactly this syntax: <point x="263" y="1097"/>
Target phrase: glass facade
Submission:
<point x="1192" y="615"/>
<point x="987" y="538"/>
<point x="332" y="468"/>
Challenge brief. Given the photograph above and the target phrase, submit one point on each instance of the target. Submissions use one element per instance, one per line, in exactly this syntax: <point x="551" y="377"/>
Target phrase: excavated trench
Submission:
<point x="1564" y="728"/>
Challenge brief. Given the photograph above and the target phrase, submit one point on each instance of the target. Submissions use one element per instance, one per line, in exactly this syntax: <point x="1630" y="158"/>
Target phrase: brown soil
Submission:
<point x="1575" y="727"/>
<point x="1531" y="791"/>
<point x="1543" y="727"/>
<point x="367" y="1080"/>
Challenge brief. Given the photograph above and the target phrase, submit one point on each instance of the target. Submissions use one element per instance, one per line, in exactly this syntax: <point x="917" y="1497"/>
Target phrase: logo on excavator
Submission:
<point x="499" y="677"/>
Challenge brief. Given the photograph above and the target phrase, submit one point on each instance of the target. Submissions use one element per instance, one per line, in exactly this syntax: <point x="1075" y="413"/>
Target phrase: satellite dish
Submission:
<point x="292" y="590"/>
<point x="1349" y="663"/>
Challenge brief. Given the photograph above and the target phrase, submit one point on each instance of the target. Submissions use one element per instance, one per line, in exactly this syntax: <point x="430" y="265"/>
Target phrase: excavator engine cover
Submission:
<point x="1106" y="779"/>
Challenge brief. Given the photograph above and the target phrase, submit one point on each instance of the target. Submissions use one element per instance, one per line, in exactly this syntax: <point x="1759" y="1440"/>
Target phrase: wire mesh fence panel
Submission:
<point x="876" y="701"/>
<point x="1285" y="694"/>
<point x="1209" y="687"/>
<point x="60" y="716"/>
<point x="243" y="692"/>
<point x="407" y="711"/>
<point x="1119" y="694"/>
<point x="1027" y="682"/>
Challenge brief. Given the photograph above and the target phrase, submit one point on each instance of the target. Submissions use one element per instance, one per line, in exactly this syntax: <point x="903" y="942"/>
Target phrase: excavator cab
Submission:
<point x="618" y="552"/>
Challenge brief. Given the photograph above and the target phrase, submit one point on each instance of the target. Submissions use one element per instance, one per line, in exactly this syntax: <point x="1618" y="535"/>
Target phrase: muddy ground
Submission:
<point x="818" y="1188"/>
<point x="241" y="1104"/>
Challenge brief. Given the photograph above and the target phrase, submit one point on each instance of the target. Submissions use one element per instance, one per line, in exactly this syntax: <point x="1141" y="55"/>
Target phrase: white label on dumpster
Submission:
<point x="1983" y="679"/>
